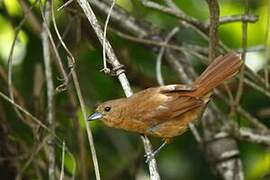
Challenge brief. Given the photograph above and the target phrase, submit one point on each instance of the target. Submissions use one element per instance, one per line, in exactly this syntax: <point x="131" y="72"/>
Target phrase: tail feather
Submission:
<point x="221" y="69"/>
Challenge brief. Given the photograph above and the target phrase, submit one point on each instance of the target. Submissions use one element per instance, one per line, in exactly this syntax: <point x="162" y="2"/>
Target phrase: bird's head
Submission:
<point x="110" y="112"/>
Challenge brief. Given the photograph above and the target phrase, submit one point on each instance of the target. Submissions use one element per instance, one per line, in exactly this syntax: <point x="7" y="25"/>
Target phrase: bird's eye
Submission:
<point x="107" y="108"/>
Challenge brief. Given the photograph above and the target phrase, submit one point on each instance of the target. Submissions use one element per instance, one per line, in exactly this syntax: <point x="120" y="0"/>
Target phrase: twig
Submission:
<point x="35" y="151"/>
<point x="62" y="162"/>
<point x="195" y="133"/>
<point x="266" y="73"/>
<point x="71" y="61"/>
<point x="247" y="134"/>
<point x="19" y="99"/>
<point x="252" y="49"/>
<point x="10" y="58"/>
<point x="147" y="41"/>
<point x="254" y="121"/>
<point x="36" y="120"/>
<point x="213" y="31"/>
<point x="64" y="5"/>
<point x="265" y="91"/>
<point x="175" y="12"/>
<point x="36" y="26"/>
<point x="54" y="49"/>
<point x="119" y="72"/>
<point x="105" y="68"/>
<point x="160" y="54"/>
<point x="50" y="87"/>
<point x="247" y="18"/>
<point x="243" y="57"/>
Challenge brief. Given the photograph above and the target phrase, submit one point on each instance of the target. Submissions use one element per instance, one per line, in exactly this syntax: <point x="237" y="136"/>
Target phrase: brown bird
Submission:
<point x="166" y="111"/>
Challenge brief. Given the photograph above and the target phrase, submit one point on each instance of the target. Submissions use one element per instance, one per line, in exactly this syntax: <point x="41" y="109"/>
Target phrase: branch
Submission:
<point x="159" y="57"/>
<point x="50" y="87"/>
<point x="10" y="57"/>
<point x="247" y="18"/>
<point x="176" y="13"/>
<point x="213" y="28"/>
<point x="243" y="57"/>
<point x="250" y="135"/>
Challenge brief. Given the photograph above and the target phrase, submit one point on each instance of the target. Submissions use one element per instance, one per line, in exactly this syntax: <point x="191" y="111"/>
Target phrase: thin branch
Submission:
<point x="35" y="151"/>
<point x="64" y="5"/>
<point x="19" y="99"/>
<point x="159" y="57"/>
<point x="105" y="68"/>
<point x="50" y="87"/>
<point x="254" y="121"/>
<point x="175" y="12"/>
<point x="265" y="91"/>
<point x="213" y="31"/>
<point x="62" y="162"/>
<point x="266" y="67"/>
<point x="36" y="26"/>
<point x="243" y="57"/>
<point x="147" y="41"/>
<point x="250" y="135"/>
<point x="247" y="18"/>
<point x="36" y="120"/>
<point x="54" y="49"/>
<point x="257" y="48"/>
<point x="10" y="57"/>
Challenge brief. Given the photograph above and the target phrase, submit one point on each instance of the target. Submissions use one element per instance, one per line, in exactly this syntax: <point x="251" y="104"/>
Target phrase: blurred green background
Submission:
<point x="120" y="153"/>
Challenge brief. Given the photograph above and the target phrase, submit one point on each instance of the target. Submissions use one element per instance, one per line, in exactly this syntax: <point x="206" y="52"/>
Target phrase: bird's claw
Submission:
<point x="106" y="70"/>
<point x="149" y="156"/>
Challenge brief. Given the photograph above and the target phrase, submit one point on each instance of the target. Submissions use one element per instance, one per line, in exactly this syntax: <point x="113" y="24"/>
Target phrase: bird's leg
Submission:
<point x="150" y="156"/>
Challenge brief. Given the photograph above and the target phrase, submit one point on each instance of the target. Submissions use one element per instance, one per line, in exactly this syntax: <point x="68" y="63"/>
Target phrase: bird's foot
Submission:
<point x="150" y="156"/>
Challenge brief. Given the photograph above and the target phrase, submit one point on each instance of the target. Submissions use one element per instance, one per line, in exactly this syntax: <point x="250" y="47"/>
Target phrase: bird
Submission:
<point x="165" y="111"/>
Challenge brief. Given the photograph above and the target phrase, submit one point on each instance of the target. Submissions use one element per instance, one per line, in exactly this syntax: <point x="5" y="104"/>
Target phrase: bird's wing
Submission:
<point x="177" y="88"/>
<point x="174" y="107"/>
<point x="175" y="102"/>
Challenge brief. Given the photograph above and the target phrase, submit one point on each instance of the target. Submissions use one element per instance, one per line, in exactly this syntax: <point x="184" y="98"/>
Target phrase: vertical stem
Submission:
<point x="266" y="73"/>
<point x="50" y="88"/>
<point x="213" y="29"/>
<point x="243" y="56"/>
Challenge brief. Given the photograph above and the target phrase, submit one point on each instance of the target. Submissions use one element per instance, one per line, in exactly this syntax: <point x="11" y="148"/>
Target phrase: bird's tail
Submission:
<point x="221" y="69"/>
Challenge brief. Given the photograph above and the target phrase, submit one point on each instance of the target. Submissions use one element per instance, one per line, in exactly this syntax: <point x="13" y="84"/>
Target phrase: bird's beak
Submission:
<point x="94" y="116"/>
